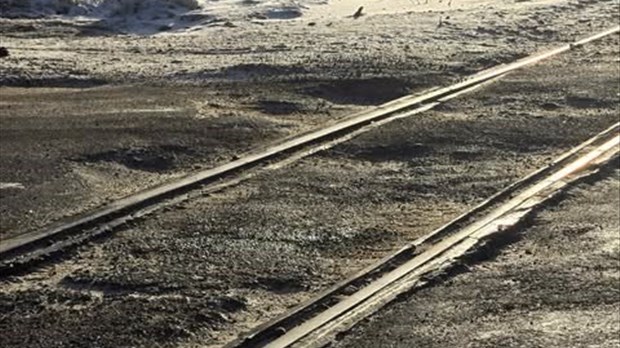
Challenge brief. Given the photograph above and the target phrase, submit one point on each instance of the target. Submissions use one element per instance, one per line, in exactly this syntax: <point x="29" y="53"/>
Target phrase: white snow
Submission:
<point x="153" y="16"/>
<point x="11" y="185"/>
<point x="147" y="16"/>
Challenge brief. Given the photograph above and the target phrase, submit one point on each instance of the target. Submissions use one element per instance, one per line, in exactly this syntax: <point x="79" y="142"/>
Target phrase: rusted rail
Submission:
<point x="20" y="250"/>
<point x="316" y="322"/>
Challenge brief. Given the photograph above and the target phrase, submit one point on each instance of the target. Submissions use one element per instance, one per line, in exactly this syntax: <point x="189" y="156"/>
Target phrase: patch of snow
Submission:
<point x="149" y="16"/>
<point x="11" y="185"/>
<point x="154" y="16"/>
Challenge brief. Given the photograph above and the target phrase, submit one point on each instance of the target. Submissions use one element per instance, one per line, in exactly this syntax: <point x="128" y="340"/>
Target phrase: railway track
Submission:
<point x="18" y="253"/>
<point x="317" y="322"/>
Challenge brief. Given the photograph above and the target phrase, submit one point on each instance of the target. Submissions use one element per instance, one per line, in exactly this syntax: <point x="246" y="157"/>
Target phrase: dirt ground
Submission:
<point x="407" y="45"/>
<point x="71" y="150"/>
<point x="558" y="286"/>
<point x="118" y="112"/>
<point x="205" y="271"/>
<point x="89" y="115"/>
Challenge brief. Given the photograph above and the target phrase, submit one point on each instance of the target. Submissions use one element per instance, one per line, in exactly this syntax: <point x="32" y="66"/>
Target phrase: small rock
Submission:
<point x="550" y="106"/>
<point x="222" y="317"/>
<point x="4" y="52"/>
<point x="203" y="317"/>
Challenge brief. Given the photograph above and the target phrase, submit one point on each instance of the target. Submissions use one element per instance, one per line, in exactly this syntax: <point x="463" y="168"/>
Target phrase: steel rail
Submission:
<point x="579" y="161"/>
<point x="123" y="208"/>
<point x="266" y="332"/>
<point x="442" y="255"/>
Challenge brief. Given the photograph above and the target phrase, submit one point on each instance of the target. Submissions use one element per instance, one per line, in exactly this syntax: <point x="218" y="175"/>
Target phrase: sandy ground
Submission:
<point x="406" y="41"/>
<point x="173" y="102"/>
<point x="67" y="151"/>
<point x="558" y="286"/>
<point x="201" y="273"/>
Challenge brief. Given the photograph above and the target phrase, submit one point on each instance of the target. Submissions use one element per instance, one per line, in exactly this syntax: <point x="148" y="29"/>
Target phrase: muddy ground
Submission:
<point x="201" y="273"/>
<point x="168" y="104"/>
<point x="558" y="286"/>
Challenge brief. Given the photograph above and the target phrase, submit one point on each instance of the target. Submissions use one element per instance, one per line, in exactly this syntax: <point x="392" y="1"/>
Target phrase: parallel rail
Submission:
<point x="20" y="250"/>
<point x="315" y="323"/>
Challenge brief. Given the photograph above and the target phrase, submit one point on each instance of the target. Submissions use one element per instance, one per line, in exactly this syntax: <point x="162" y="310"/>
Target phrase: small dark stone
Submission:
<point x="550" y="106"/>
<point x="4" y="52"/>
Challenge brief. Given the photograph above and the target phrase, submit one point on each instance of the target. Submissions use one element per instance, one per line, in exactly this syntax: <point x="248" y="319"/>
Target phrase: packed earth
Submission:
<point x="103" y="98"/>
